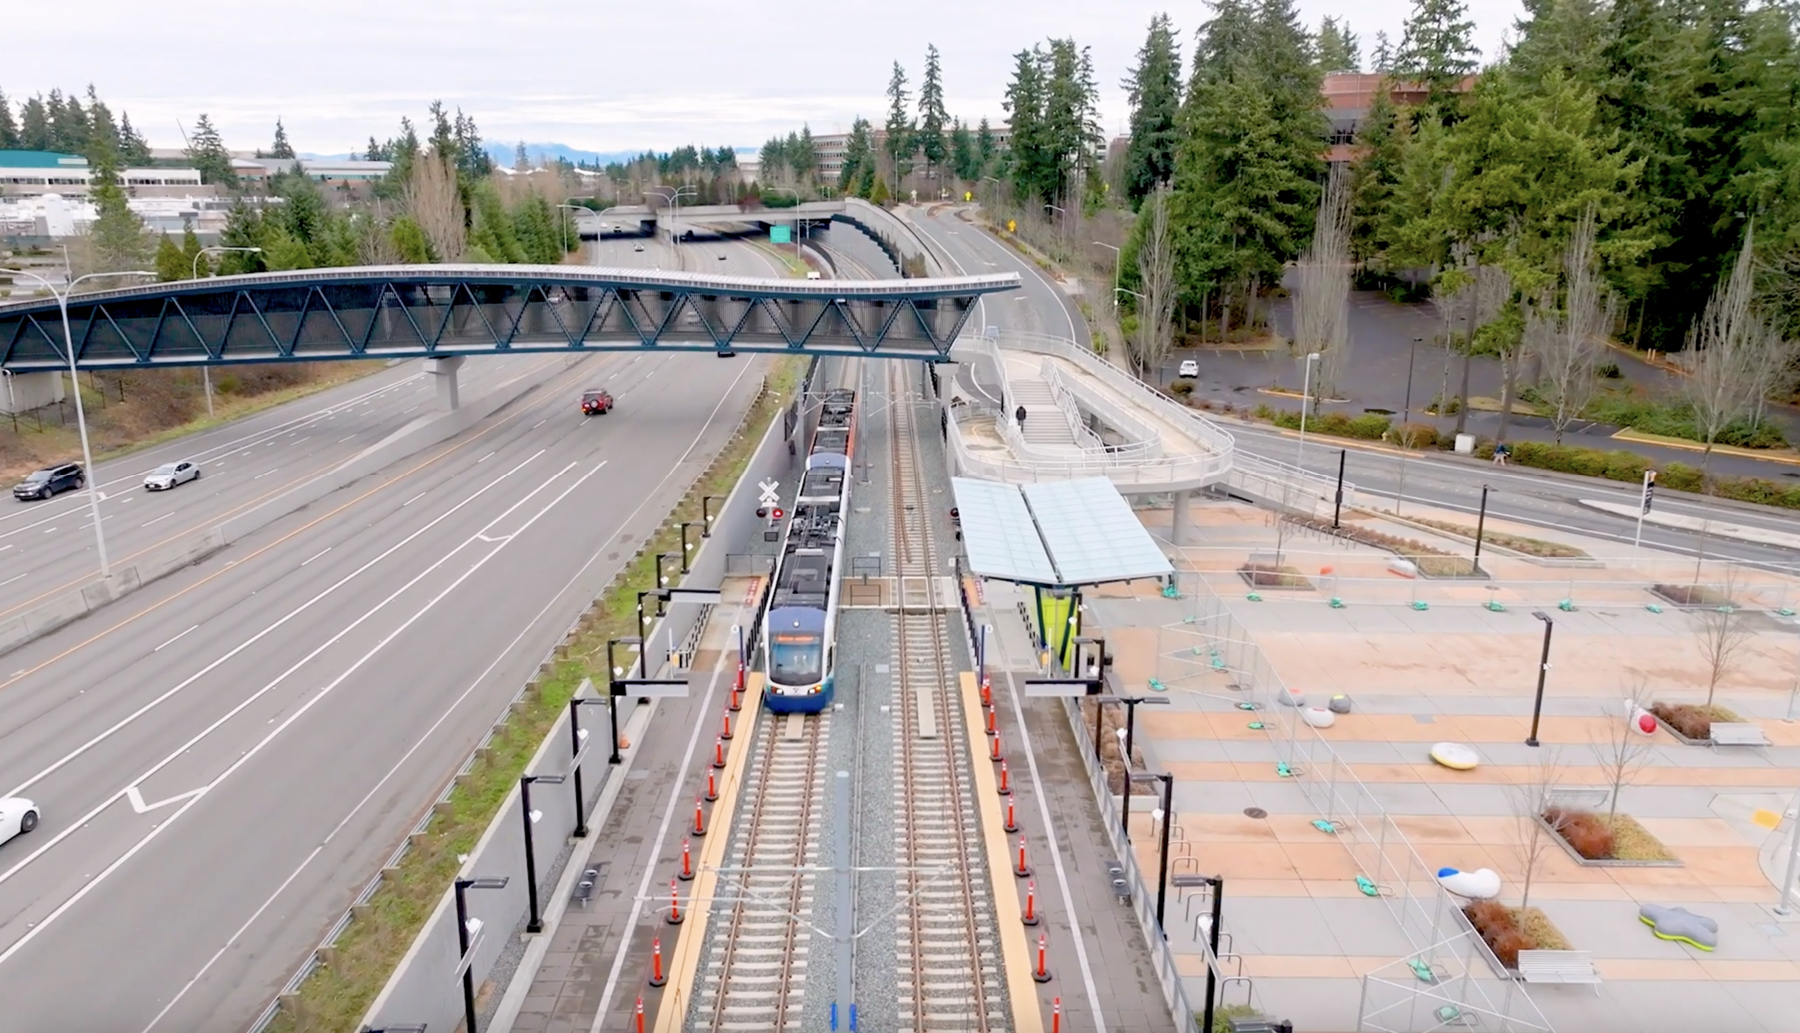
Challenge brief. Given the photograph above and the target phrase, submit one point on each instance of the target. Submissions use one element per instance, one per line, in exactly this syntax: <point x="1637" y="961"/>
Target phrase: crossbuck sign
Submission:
<point x="769" y="491"/>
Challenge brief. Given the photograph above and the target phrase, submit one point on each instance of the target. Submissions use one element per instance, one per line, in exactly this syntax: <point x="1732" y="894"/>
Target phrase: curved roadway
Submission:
<point x="1528" y="496"/>
<point x="225" y="757"/>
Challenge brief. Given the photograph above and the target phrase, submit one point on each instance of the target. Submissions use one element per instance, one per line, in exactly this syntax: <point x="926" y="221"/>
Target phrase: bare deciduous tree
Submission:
<point x="1725" y="346"/>
<point x="1531" y="800"/>
<point x="1567" y="337"/>
<point x="1621" y="753"/>
<point x="433" y="200"/>
<point x="1156" y="275"/>
<point x="1322" y="286"/>
<point x="1720" y="633"/>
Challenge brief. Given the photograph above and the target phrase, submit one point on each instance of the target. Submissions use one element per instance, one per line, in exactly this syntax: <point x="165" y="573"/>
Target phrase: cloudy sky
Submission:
<point x="597" y="76"/>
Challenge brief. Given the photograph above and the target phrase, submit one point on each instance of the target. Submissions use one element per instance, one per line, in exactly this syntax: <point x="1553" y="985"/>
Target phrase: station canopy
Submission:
<point x="1059" y="534"/>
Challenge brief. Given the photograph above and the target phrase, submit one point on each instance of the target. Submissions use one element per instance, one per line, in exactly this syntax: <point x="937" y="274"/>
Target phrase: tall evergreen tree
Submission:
<point x="134" y="149"/>
<point x="1438" y="48"/>
<point x="1382" y="138"/>
<point x="102" y="146"/>
<point x="1071" y="120"/>
<point x="859" y="156"/>
<point x="932" y="115"/>
<point x="1381" y="60"/>
<point x="68" y="124"/>
<point x="900" y="143"/>
<point x="34" y="126"/>
<point x="521" y="160"/>
<point x="987" y="148"/>
<point x="1339" y="49"/>
<point x="9" y="130"/>
<point x="805" y="157"/>
<point x="281" y="148"/>
<point x="1154" y="90"/>
<point x="206" y="150"/>
<point x="964" y="160"/>
<point x="117" y="241"/>
<point x="1031" y="152"/>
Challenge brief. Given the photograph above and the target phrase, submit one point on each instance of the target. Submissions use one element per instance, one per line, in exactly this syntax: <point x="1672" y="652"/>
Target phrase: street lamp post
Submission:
<point x="1537" y="708"/>
<point x="1480" y="525"/>
<point x="1305" y="402"/>
<point x="206" y="370"/>
<point x="1118" y="261"/>
<point x="565" y="222"/>
<point x="1406" y="410"/>
<point x="706" y="514"/>
<point x="466" y="938"/>
<point x="578" y="746"/>
<point x="674" y="198"/>
<point x="87" y="454"/>
<point x="1127" y="735"/>
<point x="1168" y="818"/>
<point x="535" y="922"/>
<point x="614" y="690"/>
<point x="687" y="547"/>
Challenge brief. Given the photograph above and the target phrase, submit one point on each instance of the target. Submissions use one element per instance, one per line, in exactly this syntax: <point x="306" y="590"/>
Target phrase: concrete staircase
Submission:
<point x="1046" y="426"/>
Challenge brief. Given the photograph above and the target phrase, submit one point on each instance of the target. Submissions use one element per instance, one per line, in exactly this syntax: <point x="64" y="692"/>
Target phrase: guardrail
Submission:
<point x="1085" y="438"/>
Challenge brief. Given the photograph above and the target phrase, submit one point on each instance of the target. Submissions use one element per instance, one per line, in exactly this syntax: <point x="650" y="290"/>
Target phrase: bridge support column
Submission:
<point x="1178" y="534"/>
<point x="444" y="370"/>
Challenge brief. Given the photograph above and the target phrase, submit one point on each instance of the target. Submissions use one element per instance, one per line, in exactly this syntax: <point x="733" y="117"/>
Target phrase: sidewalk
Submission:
<point x="1306" y="933"/>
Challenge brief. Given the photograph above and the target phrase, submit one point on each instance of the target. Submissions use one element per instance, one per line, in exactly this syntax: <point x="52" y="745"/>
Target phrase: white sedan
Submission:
<point x="17" y="815"/>
<point x="168" y="475"/>
<point x="1189" y="368"/>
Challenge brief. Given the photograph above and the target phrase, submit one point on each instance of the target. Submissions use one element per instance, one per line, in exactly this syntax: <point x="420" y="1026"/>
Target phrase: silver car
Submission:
<point x="168" y="475"/>
<point x="17" y="815"/>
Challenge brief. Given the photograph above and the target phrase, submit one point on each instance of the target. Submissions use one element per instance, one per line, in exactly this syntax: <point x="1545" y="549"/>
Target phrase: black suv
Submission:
<point x="49" y="481"/>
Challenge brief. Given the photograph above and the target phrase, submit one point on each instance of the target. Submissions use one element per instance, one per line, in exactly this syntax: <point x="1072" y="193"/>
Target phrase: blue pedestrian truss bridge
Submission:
<point x="416" y="311"/>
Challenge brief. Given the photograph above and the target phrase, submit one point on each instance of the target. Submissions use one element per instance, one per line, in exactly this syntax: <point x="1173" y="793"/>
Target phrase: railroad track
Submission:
<point x="753" y="975"/>
<point x="948" y="945"/>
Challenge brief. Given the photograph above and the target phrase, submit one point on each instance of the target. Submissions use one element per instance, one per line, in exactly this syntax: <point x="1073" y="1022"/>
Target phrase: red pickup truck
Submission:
<point x="596" y="402"/>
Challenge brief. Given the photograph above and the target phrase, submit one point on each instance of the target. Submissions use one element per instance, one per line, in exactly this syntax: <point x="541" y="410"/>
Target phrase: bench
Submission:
<point x="1734" y="733"/>
<point x="1559" y="967"/>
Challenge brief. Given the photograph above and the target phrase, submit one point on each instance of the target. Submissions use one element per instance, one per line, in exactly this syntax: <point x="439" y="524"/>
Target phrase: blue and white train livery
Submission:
<point x="800" y="629"/>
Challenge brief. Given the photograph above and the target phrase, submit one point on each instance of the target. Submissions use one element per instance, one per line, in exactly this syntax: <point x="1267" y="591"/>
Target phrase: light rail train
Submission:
<point x="800" y="628"/>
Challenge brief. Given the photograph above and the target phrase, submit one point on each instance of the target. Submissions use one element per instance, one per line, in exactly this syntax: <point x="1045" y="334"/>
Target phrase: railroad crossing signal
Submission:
<point x="1649" y="489"/>
<point x="770" y="492"/>
<point x="777" y="513"/>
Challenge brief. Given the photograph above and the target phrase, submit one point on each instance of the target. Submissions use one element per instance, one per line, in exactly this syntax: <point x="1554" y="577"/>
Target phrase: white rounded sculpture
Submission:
<point x="1455" y="755"/>
<point x="1480" y="884"/>
<point x="1318" y="717"/>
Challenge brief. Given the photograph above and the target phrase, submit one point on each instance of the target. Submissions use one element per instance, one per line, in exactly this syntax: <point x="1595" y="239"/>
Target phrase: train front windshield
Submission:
<point x="796" y="659"/>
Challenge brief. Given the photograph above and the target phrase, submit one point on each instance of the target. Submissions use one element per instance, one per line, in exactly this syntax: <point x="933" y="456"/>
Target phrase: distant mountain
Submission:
<point x="503" y="153"/>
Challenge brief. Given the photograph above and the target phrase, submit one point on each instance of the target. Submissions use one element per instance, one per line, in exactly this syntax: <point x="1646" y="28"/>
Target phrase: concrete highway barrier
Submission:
<point x="63" y="608"/>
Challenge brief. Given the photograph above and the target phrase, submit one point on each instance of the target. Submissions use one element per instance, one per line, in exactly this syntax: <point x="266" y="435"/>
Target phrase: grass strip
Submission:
<point x="1517" y="543"/>
<point x="360" y="963"/>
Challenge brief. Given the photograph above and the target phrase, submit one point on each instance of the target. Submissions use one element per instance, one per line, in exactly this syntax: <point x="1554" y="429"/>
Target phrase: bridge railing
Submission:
<point x="1143" y="438"/>
<point x="1160" y="473"/>
<point x="1085" y="438"/>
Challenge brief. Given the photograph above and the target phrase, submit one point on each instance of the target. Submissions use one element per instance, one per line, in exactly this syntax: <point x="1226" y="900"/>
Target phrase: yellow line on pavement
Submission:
<point x="1765" y="455"/>
<point x="684" y="962"/>
<point x="1017" y="956"/>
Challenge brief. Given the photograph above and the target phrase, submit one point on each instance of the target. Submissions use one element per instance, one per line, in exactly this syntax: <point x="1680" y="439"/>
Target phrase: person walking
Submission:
<point x="1502" y="453"/>
<point x="1020" y="416"/>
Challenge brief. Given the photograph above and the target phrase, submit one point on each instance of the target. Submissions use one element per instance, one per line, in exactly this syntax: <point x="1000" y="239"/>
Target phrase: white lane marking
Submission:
<point x="50" y="531"/>
<point x="3" y="548"/>
<point x="297" y="611"/>
<point x="174" y="640"/>
<point x="136" y="799"/>
<point x="300" y="712"/>
<point x="315" y="555"/>
<point x="347" y="437"/>
<point x="540" y="423"/>
<point x="165" y="516"/>
<point x="408" y="409"/>
<point x="260" y="476"/>
<point x="412" y="500"/>
<point x="484" y="459"/>
<point x="10" y="580"/>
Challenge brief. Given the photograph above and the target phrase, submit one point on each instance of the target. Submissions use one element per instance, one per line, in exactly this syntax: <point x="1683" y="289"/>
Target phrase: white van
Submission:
<point x="812" y="274"/>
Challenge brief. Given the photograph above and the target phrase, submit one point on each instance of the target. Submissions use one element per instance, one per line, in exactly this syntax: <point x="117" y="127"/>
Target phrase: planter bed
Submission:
<point x="1675" y="717"/>
<point x="1431" y="561"/>
<point x="1505" y="931"/>
<point x="1623" y="829"/>
<point x="1268" y="575"/>
<point x="1698" y="596"/>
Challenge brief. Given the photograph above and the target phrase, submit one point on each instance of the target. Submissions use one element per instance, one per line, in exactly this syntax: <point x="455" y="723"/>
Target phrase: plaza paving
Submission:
<point x="1456" y="670"/>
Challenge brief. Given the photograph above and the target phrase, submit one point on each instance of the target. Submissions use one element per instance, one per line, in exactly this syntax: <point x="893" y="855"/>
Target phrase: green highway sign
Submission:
<point x="781" y="235"/>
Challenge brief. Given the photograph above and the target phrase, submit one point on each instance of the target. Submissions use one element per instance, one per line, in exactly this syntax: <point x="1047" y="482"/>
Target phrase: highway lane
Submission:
<point x="1535" y="497"/>
<point x="293" y="715"/>
<point x="48" y="547"/>
<point x="294" y="730"/>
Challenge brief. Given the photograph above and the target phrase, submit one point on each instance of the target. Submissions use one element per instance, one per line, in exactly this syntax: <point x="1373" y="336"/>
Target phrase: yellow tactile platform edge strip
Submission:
<point x="1017" y="957"/>
<point x="684" y="962"/>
